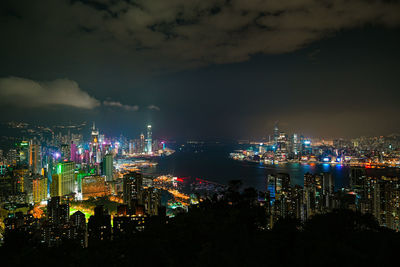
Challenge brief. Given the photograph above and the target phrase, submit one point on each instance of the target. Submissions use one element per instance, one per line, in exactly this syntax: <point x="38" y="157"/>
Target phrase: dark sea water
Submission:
<point x="212" y="162"/>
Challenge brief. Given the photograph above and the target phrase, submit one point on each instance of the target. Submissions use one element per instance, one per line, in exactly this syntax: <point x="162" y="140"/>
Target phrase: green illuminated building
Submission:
<point x="63" y="181"/>
<point x="108" y="167"/>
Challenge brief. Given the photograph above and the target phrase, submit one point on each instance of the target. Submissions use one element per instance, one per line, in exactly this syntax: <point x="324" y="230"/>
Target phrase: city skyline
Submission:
<point x="24" y="130"/>
<point x="199" y="132"/>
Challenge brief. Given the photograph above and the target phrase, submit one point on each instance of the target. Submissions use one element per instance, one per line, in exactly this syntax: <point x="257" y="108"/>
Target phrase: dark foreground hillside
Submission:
<point x="226" y="233"/>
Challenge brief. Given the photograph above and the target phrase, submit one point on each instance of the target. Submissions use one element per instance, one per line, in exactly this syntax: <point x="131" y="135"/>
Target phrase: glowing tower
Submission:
<point x="149" y="140"/>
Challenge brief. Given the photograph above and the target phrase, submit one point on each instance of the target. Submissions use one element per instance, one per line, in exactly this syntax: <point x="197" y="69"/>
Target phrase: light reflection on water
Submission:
<point x="215" y="165"/>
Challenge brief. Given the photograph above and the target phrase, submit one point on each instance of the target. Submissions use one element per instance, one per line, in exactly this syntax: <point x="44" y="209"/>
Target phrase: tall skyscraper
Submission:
<point x="132" y="187"/>
<point x="39" y="188"/>
<point x="151" y="200"/>
<point x="74" y="152"/>
<point x="108" y="167"/>
<point x="99" y="226"/>
<point x="94" y="143"/>
<point x="65" y="152"/>
<point x="12" y="157"/>
<point x="149" y="141"/>
<point x="23" y="153"/>
<point x="34" y="158"/>
<point x="95" y="134"/>
<point x="279" y="191"/>
<point x="78" y="223"/>
<point x="328" y="189"/>
<point x="295" y="144"/>
<point x="276" y="133"/>
<point x="57" y="212"/>
<point x="278" y="185"/>
<point x="142" y="148"/>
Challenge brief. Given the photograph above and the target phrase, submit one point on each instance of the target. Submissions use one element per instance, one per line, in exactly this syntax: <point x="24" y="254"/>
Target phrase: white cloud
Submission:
<point x="120" y="105"/>
<point x="28" y="93"/>
<point x="153" y="107"/>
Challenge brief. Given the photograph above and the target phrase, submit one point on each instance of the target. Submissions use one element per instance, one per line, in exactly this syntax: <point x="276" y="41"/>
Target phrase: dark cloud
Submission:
<point x="199" y="32"/>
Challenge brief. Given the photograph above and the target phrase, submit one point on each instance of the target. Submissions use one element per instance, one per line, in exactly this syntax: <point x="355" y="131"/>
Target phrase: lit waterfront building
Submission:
<point x="295" y="144"/>
<point x="276" y="133"/>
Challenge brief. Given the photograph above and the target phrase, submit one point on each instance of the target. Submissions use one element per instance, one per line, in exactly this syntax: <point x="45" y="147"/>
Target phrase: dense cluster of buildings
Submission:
<point x="57" y="225"/>
<point x="379" y="196"/>
<point x="281" y="147"/>
<point x="39" y="178"/>
<point x="67" y="165"/>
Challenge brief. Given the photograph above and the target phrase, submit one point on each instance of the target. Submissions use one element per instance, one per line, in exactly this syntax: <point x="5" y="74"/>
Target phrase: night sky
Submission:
<point x="203" y="69"/>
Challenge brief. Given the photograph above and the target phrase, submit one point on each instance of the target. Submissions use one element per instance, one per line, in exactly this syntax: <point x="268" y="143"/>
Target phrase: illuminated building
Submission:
<point x="74" y="153"/>
<point x="94" y="143"/>
<point x="295" y="144"/>
<point x="3" y="169"/>
<point x="278" y="185"/>
<point x="132" y="187"/>
<point x="12" y="157"/>
<point x="24" y="224"/>
<point x="7" y="187"/>
<point x="276" y="133"/>
<point x="149" y="142"/>
<point x="151" y="200"/>
<point x="357" y="177"/>
<point x="296" y="203"/>
<point x="310" y="194"/>
<point x="23" y="153"/>
<point x="122" y="210"/>
<point x="78" y="223"/>
<point x="132" y="147"/>
<point x="63" y="181"/>
<point x="328" y="189"/>
<point x="306" y="147"/>
<point x="22" y="178"/>
<point x="95" y="135"/>
<point x="125" y="226"/>
<point x="141" y="144"/>
<point x="65" y="152"/>
<point x="318" y="193"/>
<point x="279" y="192"/>
<point x="39" y="188"/>
<point x="108" y="167"/>
<point x="94" y="186"/>
<point x="380" y="196"/>
<point x="57" y="212"/>
<point x="99" y="226"/>
<point x="34" y="158"/>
